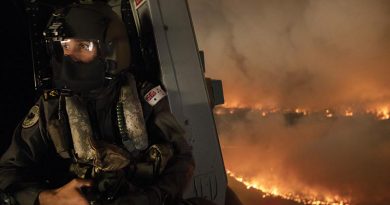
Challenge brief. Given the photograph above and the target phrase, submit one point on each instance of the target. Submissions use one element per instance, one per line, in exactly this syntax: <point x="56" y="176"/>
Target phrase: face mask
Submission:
<point x="80" y="77"/>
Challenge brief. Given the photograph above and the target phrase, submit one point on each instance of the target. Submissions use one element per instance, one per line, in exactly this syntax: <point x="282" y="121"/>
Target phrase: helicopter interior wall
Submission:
<point x="183" y="76"/>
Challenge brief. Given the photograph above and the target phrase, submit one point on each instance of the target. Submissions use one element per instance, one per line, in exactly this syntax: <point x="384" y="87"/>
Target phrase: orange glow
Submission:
<point x="328" y="113"/>
<point x="348" y="112"/>
<point x="379" y="112"/>
<point x="274" y="191"/>
<point x="301" y="111"/>
<point x="238" y="105"/>
<point x="383" y="113"/>
<point x="297" y="191"/>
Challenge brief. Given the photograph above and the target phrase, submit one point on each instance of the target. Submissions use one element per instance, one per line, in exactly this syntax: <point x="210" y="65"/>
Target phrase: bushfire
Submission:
<point x="275" y="191"/>
<point x="329" y="156"/>
<point x="380" y="113"/>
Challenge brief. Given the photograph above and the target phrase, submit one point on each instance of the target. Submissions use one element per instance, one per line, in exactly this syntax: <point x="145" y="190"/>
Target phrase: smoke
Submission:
<point x="306" y="53"/>
<point x="314" y="156"/>
<point x="312" y="54"/>
<point x="217" y="19"/>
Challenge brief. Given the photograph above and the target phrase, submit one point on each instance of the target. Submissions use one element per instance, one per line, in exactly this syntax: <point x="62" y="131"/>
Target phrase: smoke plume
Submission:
<point x="313" y="54"/>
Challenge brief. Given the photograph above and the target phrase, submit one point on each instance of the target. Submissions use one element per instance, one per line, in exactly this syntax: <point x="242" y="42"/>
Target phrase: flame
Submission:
<point x="238" y="105"/>
<point x="301" y="111"/>
<point x="309" y="196"/>
<point x="274" y="191"/>
<point x="383" y="113"/>
<point x="328" y="113"/>
<point x="348" y="112"/>
<point x="379" y="112"/>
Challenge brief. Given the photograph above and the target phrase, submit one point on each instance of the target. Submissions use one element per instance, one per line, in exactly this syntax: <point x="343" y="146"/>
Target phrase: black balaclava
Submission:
<point x="81" y="77"/>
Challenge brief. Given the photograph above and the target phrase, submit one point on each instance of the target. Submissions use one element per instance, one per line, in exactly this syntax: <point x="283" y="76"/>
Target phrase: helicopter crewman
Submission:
<point x="99" y="136"/>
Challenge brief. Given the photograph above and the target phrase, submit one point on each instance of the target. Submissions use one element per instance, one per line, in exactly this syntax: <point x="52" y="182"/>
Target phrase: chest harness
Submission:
<point x="73" y="126"/>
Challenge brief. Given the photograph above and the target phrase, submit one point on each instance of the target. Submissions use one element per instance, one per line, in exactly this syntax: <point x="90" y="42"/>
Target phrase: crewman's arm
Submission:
<point x="171" y="183"/>
<point x="21" y="165"/>
<point x="178" y="172"/>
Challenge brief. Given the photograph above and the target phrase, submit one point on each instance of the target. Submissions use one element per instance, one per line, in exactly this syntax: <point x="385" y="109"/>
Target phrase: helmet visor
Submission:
<point x="80" y="50"/>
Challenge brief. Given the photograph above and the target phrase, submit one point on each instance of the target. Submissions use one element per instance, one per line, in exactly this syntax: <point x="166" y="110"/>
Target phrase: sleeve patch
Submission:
<point x="32" y="117"/>
<point x="155" y="95"/>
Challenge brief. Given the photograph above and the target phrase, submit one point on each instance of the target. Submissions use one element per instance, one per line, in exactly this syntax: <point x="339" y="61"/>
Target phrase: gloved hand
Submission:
<point x="6" y="199"/>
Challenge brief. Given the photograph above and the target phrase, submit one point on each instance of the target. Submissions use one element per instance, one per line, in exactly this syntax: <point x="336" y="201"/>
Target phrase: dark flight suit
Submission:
<point x="32" y="162"/>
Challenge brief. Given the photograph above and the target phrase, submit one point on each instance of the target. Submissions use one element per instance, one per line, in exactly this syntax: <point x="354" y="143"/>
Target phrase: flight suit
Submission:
<point x="40" y="158"/>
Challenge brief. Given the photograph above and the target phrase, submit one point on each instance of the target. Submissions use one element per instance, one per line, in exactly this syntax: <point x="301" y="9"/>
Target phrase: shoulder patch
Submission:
<point x="50" y="94"/>
<point x="32" y="117"/>
<point x="155" y="95"/>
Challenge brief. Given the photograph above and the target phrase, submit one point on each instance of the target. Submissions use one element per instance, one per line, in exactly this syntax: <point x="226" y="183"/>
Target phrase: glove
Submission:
<point x="6" y="199"/>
